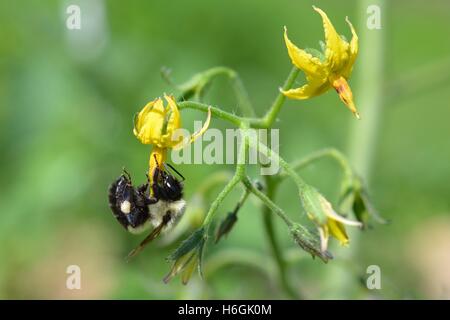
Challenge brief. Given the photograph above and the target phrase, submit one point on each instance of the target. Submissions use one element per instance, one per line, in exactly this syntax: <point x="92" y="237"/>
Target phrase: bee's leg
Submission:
<point x="126" y="173"/>
<point x="176" y="171"/>
<point x="155" y="188"/>
<point x="143" y="188"/>
<point x="154" y="234"/>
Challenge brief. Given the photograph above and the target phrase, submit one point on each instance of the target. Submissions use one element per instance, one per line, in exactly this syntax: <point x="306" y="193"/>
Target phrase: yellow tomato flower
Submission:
<point x="334" y="225"/>
<point x="332" y="71"/>
<point x="328" y="222"/>
<point x="157" y="125"/>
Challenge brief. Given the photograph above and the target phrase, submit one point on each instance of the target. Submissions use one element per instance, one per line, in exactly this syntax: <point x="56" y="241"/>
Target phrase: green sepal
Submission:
<point x="309" y="241"/>
<point x="312" y="203"/>
<point x="192" y="242"/>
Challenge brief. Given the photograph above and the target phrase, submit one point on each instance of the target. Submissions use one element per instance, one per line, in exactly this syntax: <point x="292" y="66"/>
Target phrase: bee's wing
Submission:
<point x="154" y="234"/>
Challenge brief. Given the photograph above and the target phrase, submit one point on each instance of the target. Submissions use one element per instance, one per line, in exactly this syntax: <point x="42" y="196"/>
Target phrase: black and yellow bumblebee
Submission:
<point x="159" y="205"/>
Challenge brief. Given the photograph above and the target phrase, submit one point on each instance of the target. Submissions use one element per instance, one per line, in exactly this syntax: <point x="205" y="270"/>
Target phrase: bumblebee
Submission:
<point x="137" y="209"/>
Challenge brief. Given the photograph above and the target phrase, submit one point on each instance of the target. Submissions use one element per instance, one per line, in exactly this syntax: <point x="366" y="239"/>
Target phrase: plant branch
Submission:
<point x="272" y="113"/>
<point x="238" y="176"/>
<point x="244" y="102"/>
<point x="328" y="152"/>
<point x="268" y="202"/>
<point x="215" y="112"/>
<point x="273" y="242"/>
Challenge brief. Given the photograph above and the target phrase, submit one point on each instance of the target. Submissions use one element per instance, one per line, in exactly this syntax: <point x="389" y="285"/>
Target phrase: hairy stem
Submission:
<point x="238" y="176"/>
<point x="215" y="112"/>
<point x="221" y="196"/>
<point x="268" y="202"/>
<point x="328" y="152"/>
<point x="238" y="87"/>
<point x="273" y="242"/>
<point x="242" y="96"/>
<point x="264" y="122"/>
<point x="272" y="113"/>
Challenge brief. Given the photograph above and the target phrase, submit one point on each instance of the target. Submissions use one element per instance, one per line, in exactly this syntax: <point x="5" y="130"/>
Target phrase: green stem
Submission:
<point x="215" y="112"/>
<point x="242" y="96"/>
<point x="272" y="113"/>
<point x="273" y="242"/>
<point x="277" y="159"/>
<point x="238" y="87"/>
<point x="264" y="122"/>
<point x="225" y="191"/>
<point x="369" y="90"/>
<point x="268" y="202"/>
<point x="238" y="176"/>
<point x="328" y="152"/>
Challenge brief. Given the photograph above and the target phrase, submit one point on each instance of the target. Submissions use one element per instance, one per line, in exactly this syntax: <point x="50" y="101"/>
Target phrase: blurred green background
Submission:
<point x="67" y="98"/>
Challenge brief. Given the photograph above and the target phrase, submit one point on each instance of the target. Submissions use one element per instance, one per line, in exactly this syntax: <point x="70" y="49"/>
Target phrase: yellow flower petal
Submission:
<point x="353" y="51"/>
<point x="304" y="61"/>
<point x="173" y="122"/>
<point x="195" y="135"/>
<point x="337" y="230"/>
<point x="139" y="118"/>
<point x="331" y="214"/>
<point x="149" y="123"/>
<point x="312" y="89"/>
<point x="336" y="48"/>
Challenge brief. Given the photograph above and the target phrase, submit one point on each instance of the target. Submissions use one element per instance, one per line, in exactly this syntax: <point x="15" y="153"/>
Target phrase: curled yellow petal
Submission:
<point x="337" y="230"/>
<point x="352" y="52"/>
<point x="301" y="59"/>
<point x="173" y="121"/>
<point x="139" y="118"/>
<point x="312" y="89"/>
<point x="336" y="48"/>
<point x="149" y="122"/>
<point x="195" y="135"/>
<point x="345" y="93"/>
